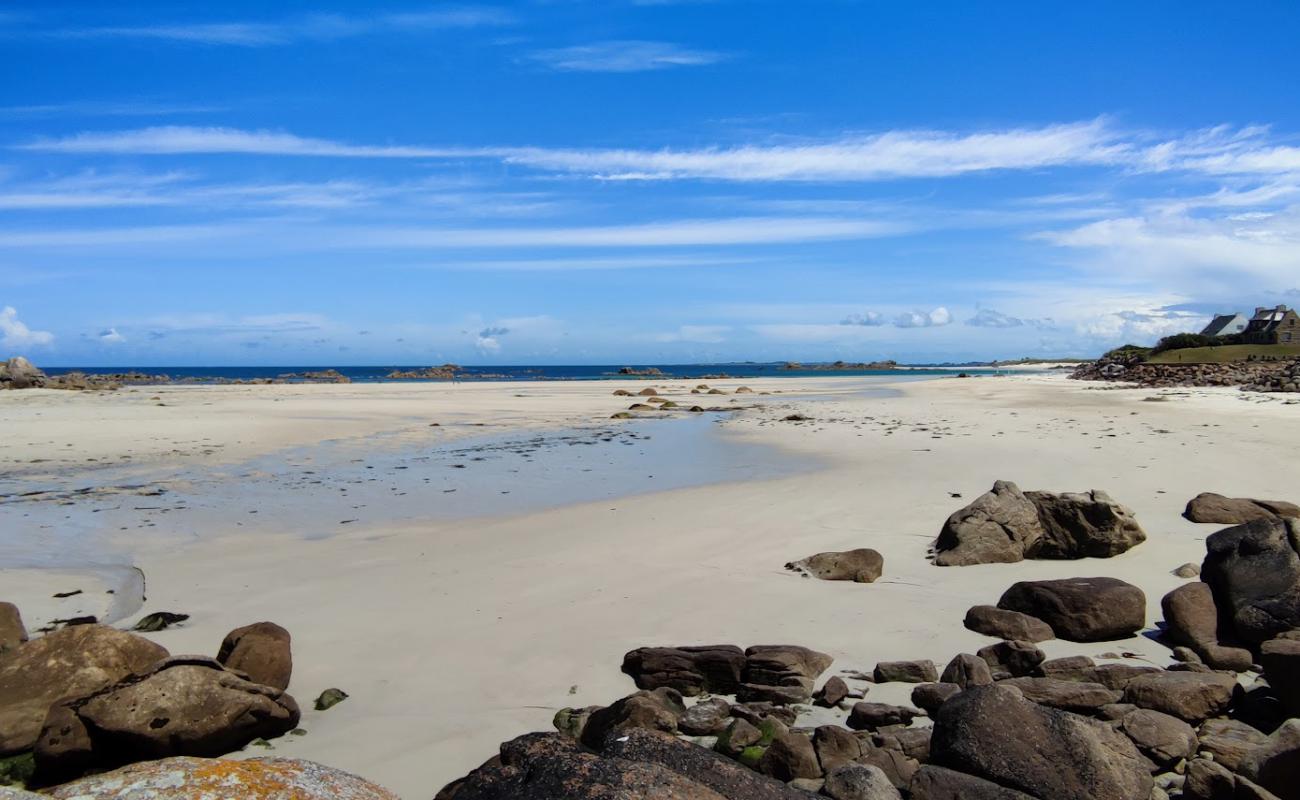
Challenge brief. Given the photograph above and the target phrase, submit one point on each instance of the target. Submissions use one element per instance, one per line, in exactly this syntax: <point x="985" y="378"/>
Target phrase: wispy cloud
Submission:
<point x="989" y="318"/>
<point x="14" y="333"/>
<point x="870" y="319"/>
<point x="314" y="27"/>
<point x="180" y="139"/>
<point x="624" y="56"/>
<point x="92" y="108"/>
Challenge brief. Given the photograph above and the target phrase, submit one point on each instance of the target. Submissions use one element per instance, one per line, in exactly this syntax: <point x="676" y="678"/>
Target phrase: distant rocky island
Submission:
<point x="841" y="366"/>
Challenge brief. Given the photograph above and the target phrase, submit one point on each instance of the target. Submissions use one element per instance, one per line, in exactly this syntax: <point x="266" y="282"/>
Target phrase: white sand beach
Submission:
<point x="451" y="635"/>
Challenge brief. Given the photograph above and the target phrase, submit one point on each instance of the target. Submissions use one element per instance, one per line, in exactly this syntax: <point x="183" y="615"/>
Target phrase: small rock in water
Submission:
<point x="159" y="620"/>
<point x="330" y="698"/>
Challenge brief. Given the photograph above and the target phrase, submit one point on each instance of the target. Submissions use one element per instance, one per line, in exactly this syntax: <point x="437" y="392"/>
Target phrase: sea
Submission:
<point x="562" y="372"/>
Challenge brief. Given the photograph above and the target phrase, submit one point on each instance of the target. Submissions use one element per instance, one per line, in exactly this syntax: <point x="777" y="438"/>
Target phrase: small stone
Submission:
<point x="330" y="698"/>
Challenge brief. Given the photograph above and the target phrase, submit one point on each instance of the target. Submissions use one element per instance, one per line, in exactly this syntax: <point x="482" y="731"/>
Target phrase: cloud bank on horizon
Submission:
<point x="573" y="183"/>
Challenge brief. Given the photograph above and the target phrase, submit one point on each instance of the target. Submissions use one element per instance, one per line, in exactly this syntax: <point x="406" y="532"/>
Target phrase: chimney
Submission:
<point x="1260" y="310"/>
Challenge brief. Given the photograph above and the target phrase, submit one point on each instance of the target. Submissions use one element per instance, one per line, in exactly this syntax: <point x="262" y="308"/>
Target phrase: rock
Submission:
<point x="549" y="766"/>
<point x="859" y="782"/>
<point x="573" y="721"/>
<point x="937" y="783"/>
<point x="713" y="772"/>
<point x="1190" y="696"/>
<point x="1229" y="741"/>
<point x="835" y="747"/>
<point x="188" y="706"/>
<point x="996" y="528"/>
<point x="1281" y="661"/>
<point x="1210" y="507"/>
<point x="870" y="716"/>
<point x="790" y="756"/>
<point x="19" y="373"/>
<point x="1207" y="780"/>
<point x="1254" y="572"/>
<point x="1007" y="525"/>
<point x="863" y="565"/>
<point x="261" y="651"/>
<point x="705" y="718"/>
<point x="69" y="662"/>
<point x="252" y="779"/>
<point x="689" y="670"/>
<point x="329" y="698"/>
<point x="736" y="737"/>
<point x="1082" y="668"/>
<point x="1081" y="609"/>
<point x="809" y="785"/>
<point x="994" y="733"/>
<point x="966" y="670"/>
<point x="894" y="763"/>
<point x="832" y="693"/>
<point x="912" y="742"/>
<point x="906" y="672"/>
<point x="657" y="710"/>
<point x="755" y="713"/>
<point x="12" y="631"/>
<point x="648" y="391"/>
<point x="781" y="673"/>
<point x="158" y="621"/>
<point x="931" y="696"/>
<point x="1188" y="570"/>
<point x="1012" y="625"/>
<point x="1275" y="765"/>
<point x="1192" y="619"/>
<point x="1083" y="525"/>
<point x="1017" y="658"/>
<point x="1160" y="737"/>
<point x="1068" y="695"/>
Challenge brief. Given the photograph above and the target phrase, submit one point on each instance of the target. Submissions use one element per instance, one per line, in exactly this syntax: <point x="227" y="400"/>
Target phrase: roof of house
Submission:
<point x="1220" y="322"/>
<point x="1267" y="319"/>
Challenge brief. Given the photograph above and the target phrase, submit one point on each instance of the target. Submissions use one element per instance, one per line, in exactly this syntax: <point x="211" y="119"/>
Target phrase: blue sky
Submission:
<point x="638" y="182"/>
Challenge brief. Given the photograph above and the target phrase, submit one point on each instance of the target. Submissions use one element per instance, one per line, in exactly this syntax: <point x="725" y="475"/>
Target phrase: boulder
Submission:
<point x="863" y="565"/>
<point x="937" y="783"/>
<point x="835" y="746"/>
<point x="705" y="718"/>
<point x="996" y="528"/>
<point x="715" y="773"/>
<point x="832" y="693"/>
<point x="782" y="674"/>
<point x="894" y="763"/>
<point x="253" y="779"/>
<point x="1207" y="780"/>
<point x="870" y="716"/>
<point x="790" y="756"/>
<point x="1254" y="572"/>
<point x="1192" y="620"/>
<point x="912" y="742"/>
<point x="69" y="662"/>
<point x="1210" y="507"/>
<point x="1190" y="696"/>
<point x="550" y="766"/>
<point x="1007" y="525"/>
<point x="187" y="706"/>
<point x="859" y="782"/>
<point x="993" y="732"/>
<point x="1160" y="737"/>
<point x="19" y="373"/>
<point x="994" y="621"/>
<point x="260" y="651"/>
<point x="922" y="671"/>
<point x="1281" y="661"/>
<point x="1229" y="741"/>
<point x="689" y="670"/>
<point x="656" y="710"/>
<point x="1275" y="765"/>
<point x="737" y="736"/>
<point x="930" y="697"/>
<point x="1077" y="696"/>
<point x="966" y="670"/>
<point x="1081" y="609"/>
<point x="1016" y="658"/>
<point x="12" y="630"/>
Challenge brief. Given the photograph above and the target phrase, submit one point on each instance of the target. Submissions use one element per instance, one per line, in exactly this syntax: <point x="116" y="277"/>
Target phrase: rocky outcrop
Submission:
<point x="261" y="651"/>
<point x="254" y="779"/>
<point x="1192" y="620"/>
<point x="657" y="710"/>
<point x="1081" y="609"/>
<point x="714" y="772"/>
<point x="19" y="373"/>
<point x="863" y="565"/>
<point x="188" y="706"/>
<point x="12" y="631"/>
<point x="690" y="670"/>
<point x="1254" y="572"/>
<point x="994" y="733"/>
<point x="1006" y="525"/>
<point x="781" y="673"/>
<point x="1210" y="507"/>
<point x="1263" y="376"/>
<point x="994" y="621"/>
<point x="69" y="662"/>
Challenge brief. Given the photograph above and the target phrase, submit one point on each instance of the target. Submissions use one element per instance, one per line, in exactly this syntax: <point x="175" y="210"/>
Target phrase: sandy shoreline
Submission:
<point x="452" y="635"/>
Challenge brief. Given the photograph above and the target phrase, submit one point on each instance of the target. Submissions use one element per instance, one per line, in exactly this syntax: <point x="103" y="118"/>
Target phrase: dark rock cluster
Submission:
<point x="1259" y="376"/>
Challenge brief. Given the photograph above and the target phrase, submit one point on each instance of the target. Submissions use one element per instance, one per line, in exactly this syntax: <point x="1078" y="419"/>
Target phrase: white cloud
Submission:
<point x="1141" y="326"/>
<point x="868" y="319"/>
<point x="111" y="336"/>
<point x="921" y="319"/>
<point x="624" y="56"/>
<point x="182" y="139"/>
<point x="17" y="334"/>
<point x="989" y="318"/>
